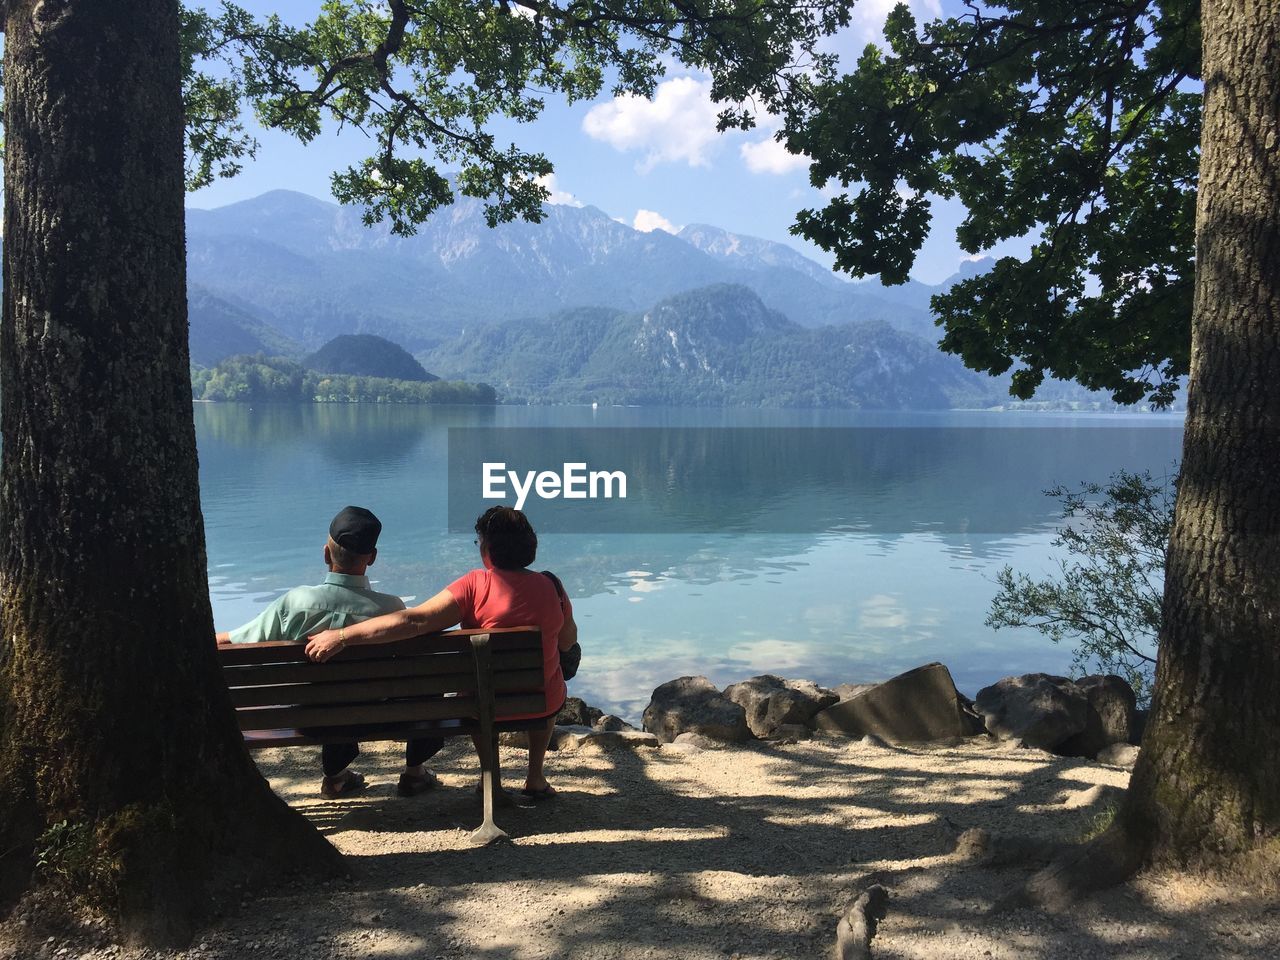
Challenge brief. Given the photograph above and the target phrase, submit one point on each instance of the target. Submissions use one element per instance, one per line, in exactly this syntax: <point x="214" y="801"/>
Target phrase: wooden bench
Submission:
<point x="442" y="685"/>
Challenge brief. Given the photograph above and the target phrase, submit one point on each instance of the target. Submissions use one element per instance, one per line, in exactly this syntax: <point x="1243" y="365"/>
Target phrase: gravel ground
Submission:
<point x="748" y="852"/>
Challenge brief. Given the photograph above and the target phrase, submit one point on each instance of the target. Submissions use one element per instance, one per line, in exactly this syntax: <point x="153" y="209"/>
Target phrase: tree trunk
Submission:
<point x="115" y="718"/>
<point x="1206" y="789"/>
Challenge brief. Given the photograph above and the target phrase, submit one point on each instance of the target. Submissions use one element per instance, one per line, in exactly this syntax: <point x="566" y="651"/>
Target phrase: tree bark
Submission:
<point x="1206" y="790"/>
<point x="115" y="718"/>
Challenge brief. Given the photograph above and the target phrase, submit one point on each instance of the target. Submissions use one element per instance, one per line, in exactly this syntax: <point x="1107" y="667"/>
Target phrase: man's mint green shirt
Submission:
<point x="341" y="600"/>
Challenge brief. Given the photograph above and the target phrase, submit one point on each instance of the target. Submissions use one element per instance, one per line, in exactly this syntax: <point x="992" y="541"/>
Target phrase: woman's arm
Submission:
<point x="439" y="612"/>
<point x="569" y="631"/>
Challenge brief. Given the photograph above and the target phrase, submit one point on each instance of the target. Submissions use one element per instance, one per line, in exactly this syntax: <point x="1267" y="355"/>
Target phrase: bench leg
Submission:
<point x="487" y="742"/>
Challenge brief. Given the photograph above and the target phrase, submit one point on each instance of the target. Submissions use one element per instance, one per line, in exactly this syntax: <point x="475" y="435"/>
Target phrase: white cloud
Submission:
<point x="561" y="197"/>
<point x="649" y="220"/>
<point x="677" y="126"/>
<point x="770" y="156"/>
<point x="869" y="15"/>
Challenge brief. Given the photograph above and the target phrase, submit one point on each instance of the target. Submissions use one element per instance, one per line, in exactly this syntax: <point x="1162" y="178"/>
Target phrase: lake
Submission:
<point x="855" y="553"/>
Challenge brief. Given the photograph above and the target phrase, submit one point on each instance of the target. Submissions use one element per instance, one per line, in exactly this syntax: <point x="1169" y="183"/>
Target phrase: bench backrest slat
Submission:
<point x="457" y="641"/>
<point x="396" y="711"/>
<point x="357" y="691"/>
<point x="255" y="674"/>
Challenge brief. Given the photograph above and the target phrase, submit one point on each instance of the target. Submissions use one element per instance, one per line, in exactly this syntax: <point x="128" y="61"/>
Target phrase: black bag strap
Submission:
<point x="555" y="581"/>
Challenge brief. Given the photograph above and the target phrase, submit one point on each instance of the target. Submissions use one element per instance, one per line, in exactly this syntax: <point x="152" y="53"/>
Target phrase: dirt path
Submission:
<point x="750" y="852"/>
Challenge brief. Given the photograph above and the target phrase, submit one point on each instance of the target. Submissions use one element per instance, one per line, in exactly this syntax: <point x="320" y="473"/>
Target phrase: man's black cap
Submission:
<point x="356" y="529"/>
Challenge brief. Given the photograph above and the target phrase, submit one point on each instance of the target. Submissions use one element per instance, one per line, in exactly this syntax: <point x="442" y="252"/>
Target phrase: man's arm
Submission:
<point x="439" y="612"/>
<point x="266" y="626"/>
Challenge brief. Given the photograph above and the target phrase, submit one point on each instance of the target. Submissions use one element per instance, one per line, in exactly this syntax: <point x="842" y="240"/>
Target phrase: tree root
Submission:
<point x="159" y="872"/>
<point x="858" y="926"/>
<point x="1107" y="860"/>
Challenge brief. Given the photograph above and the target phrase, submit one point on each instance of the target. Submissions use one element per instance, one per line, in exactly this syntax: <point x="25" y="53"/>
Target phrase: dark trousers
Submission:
<point x="336" y="757"/>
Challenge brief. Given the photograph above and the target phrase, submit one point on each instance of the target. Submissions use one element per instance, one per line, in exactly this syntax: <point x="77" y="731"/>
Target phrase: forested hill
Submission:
<point x="719" y="345"/>
<point x="277" y="379"/>
<point x="366" y="355"/>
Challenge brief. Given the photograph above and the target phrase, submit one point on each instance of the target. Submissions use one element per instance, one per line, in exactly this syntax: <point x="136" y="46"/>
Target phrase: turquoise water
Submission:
<point x="831" y="605"/>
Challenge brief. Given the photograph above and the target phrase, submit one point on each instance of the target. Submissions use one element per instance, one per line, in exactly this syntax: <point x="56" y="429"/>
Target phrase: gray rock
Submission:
<point x="576" y="712"/>
<point x="609" y="722"/>
<point x="1110" y="718"/>
<point x="563" y="737"/>
<point x="790" y="733"/>
<point x="696" y="741"/>
<point x="770" y="702"/>
<point x="694" y="705"/>
<point x="871" y="740"/>
<point x="1039" y="709"/>
<point x="1119" y="755"/>
<point x="606" y="740"/>
<point x="847" y="691"/>
<point x="914" y="707"/>
<point x="569" y="737"/>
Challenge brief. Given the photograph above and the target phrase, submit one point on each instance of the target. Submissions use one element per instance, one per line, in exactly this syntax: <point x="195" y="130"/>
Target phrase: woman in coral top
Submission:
<point x="505" y="593"/>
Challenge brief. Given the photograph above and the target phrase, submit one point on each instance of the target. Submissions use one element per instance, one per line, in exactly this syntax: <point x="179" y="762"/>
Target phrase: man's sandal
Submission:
<point x="346" y="784"/>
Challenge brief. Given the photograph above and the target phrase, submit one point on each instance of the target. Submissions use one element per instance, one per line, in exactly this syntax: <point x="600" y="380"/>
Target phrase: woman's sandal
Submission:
<point x="538" y="796"/>
<point x="411" y="785"/>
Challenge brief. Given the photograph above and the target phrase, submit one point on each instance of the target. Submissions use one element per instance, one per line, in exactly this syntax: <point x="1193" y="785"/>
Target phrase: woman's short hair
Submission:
<point x="507" y="537"/>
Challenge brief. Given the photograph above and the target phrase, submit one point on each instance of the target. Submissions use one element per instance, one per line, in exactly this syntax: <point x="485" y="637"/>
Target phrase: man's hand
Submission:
<point x="323" y="645"/>
<point x="223" y="638"/>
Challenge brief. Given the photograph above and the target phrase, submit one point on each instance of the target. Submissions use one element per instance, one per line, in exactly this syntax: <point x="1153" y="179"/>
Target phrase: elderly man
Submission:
<point x="343" y="599"/>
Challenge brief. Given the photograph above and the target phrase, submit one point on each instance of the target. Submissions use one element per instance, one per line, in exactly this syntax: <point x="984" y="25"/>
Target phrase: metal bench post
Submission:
<point x="486" y="743"/>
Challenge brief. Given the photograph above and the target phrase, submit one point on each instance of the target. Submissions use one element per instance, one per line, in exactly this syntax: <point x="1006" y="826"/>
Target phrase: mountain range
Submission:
<point x="311" y="270"/>
<point x="577" y="308"/>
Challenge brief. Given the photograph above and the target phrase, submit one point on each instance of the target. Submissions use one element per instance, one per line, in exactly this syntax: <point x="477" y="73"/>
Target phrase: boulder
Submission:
<point x="576" y="712"/>
<point x="771" y="702"/>
<point x="1119" y="755"/>
<point x="1110" y="718"/>
<point x="610" y="723"/>
<point x="914" y="707"/>
<point x="847" y="691"/>
<point x="694" y="705"/>
<point x="1038" y="709"/>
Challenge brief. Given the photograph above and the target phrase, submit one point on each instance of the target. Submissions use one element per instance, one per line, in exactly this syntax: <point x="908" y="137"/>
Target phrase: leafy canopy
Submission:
<point x="427" y="79"/>
<point x="1074" y="121"/>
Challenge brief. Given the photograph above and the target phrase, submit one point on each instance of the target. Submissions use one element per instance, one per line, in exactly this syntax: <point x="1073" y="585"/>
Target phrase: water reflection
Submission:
<point x="833" y="605"/>
<point x="801" y="479"/>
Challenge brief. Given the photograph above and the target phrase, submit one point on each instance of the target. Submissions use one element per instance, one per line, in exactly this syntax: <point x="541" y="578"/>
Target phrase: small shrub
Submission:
<point x="67" y="855"/>
<point x="1107" y="596"/>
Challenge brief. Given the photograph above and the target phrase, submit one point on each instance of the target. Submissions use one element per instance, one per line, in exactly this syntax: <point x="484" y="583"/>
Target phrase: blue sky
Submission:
<point x="652" y="164"/>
